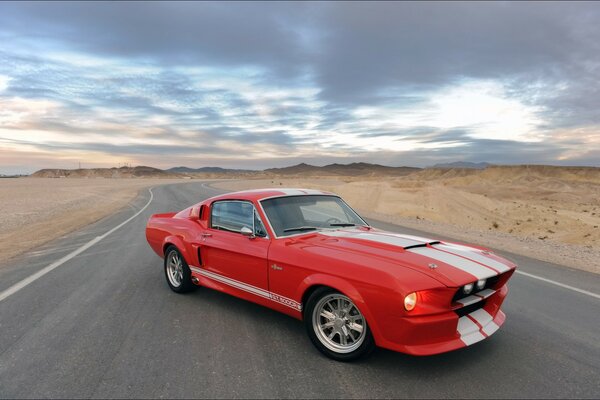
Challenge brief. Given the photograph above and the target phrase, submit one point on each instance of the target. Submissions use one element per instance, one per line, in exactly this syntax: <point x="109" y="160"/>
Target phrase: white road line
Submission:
<point x="32" y="278"/>
<point x="562" y="285"/>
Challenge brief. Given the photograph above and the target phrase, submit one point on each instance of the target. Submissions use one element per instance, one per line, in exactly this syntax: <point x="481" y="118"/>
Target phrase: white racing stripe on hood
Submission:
<point x="468" y="266"/>
<point x="411" y="237"/>
<point x="394" y="240"/>
<point x="473" y="254"/>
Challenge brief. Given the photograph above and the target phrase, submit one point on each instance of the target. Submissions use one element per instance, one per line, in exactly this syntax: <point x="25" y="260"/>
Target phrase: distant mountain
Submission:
<point x="123" y="172"/>
<point x="209" y="170"/>
<point x="353" y="169"/>
<point x="463" y="164"/>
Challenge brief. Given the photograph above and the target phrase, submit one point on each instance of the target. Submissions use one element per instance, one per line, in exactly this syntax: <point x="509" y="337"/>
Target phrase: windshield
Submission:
<point x="295" y="214"/>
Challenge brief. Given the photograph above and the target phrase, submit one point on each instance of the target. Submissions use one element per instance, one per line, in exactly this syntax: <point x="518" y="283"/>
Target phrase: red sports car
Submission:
<point x="306" y="253"/>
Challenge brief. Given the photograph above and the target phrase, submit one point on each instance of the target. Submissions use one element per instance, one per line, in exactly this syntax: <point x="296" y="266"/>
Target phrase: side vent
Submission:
<point x="199" y="254"/>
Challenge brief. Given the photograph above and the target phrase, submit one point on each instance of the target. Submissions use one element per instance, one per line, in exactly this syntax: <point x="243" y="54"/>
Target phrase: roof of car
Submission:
<point x="261" y="194"/>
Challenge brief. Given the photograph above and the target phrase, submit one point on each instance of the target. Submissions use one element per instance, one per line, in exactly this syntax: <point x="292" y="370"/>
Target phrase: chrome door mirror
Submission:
<point x="247" y="232"/>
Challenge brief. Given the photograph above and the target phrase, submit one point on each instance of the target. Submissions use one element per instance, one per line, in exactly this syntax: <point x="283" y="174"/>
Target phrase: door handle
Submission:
<point x="205" y="235"/>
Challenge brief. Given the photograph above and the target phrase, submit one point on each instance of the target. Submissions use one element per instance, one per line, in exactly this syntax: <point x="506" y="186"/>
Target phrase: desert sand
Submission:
<point x="548" y="213"/>
<point x="42" y="209"/>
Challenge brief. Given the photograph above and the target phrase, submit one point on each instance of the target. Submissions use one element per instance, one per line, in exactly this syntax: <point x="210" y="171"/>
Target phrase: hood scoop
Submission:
<point x="414" y="246"/>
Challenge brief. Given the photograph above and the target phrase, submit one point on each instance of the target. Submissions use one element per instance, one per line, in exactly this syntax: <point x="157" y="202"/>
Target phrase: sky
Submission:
<point x="271" y="84"/>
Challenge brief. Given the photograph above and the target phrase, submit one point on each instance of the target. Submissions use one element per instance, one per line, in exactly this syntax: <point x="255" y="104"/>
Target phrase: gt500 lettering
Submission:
<point x="288" y="302"/>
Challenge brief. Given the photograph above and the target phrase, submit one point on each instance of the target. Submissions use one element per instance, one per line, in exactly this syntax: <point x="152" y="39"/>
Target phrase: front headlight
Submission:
<point x="410" y="301"/>
<point x="480" y="284"/>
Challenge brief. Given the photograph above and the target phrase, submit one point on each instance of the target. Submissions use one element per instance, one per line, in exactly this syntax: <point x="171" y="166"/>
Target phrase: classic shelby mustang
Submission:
<point x="306" y="253"/>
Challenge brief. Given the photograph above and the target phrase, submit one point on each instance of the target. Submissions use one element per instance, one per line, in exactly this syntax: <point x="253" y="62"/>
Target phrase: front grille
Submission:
<point x="461" y="312"/>
<point x="489" y="284"/>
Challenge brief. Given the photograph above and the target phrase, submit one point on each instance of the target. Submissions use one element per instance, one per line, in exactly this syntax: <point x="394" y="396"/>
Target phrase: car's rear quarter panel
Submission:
<point x="167" y="229"/>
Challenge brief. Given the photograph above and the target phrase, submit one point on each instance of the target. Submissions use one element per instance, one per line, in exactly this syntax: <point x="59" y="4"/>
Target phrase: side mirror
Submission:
<point x="247" y="232"/>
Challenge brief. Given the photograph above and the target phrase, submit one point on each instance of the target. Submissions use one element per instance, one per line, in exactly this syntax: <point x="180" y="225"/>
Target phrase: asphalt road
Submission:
<point x="104" y="324"/>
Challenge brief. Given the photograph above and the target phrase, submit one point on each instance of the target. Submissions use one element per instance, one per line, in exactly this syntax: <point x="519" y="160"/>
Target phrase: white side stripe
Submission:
<point x="473" y="254"/>
<point x="248" y="288"/>
<point x="468" y="266"/>
<point x="232" y="282"/>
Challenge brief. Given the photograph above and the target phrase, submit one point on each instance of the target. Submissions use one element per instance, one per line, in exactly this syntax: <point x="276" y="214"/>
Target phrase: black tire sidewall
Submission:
<point x="186" y="283"/>
<point x="365" y="349"/>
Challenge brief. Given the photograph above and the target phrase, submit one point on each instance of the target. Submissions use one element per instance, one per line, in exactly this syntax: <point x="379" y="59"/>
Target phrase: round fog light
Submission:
<point x="480" y="284"/>
<point x="410" y="301"/>
<point x="468" y="288"/>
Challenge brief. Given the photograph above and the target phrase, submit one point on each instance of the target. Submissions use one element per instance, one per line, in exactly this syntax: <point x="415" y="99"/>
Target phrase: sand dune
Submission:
<point x="114" y="173"/>
<point x="551" y="213"/>
<point x="36" y="210"/>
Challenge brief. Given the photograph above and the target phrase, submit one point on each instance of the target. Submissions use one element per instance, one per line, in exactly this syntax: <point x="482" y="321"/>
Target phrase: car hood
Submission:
<point x="449" y="263"/>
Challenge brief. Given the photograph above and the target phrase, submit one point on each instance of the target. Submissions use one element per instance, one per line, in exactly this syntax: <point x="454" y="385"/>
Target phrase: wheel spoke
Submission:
<point x="344" y="331"/>
<point x="327" y="314"/>
<point x="355" y="327"/>
<point x="331" y="306"/>
<point x="327" y="324"/>
<point x="354" y="318"/>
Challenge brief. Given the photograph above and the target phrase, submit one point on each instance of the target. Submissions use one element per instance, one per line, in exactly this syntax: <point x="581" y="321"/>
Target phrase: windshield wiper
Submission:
<point x="301" y="228"/>
<point x="343" y="224"/>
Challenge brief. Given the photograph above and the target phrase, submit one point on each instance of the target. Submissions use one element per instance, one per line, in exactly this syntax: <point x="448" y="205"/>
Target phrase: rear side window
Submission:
<point x="232" y="216"/>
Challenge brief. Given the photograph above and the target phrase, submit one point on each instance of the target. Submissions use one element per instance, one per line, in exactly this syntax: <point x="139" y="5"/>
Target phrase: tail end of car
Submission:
<point x="156" y="231"/>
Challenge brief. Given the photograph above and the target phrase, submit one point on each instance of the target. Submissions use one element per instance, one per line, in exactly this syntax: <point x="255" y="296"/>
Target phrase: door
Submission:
<point x="234" y="248"/>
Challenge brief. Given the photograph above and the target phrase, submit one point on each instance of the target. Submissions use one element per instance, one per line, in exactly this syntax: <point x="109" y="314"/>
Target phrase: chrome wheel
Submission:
<point x="338" y="324"/>
<point x="175" y="268"/>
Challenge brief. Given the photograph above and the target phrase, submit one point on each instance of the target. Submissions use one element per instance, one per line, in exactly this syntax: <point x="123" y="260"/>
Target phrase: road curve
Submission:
<point x="104" y="324"/>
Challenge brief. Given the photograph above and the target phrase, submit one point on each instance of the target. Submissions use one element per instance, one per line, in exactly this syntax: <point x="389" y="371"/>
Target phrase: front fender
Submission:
<point x="345" y="287"/>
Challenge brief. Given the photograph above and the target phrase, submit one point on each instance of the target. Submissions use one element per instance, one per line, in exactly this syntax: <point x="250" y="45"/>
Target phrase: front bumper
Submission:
<point x="434" y="334"/>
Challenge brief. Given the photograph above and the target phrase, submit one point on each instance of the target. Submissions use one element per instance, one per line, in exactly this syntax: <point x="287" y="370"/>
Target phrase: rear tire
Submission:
<point x="177" y="272"/>
<point x="336" y="326"/>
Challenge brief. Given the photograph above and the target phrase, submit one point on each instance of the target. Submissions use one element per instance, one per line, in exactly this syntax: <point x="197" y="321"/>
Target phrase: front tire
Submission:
<point x="177" y="272"/>
<point x="336" y="326"/>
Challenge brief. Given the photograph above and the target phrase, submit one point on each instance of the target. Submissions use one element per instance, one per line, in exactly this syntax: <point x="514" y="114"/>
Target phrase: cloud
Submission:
<point x="276" y="83"/>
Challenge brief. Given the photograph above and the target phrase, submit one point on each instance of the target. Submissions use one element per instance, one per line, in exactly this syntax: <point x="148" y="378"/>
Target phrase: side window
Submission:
<point x="232" y="216"/>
